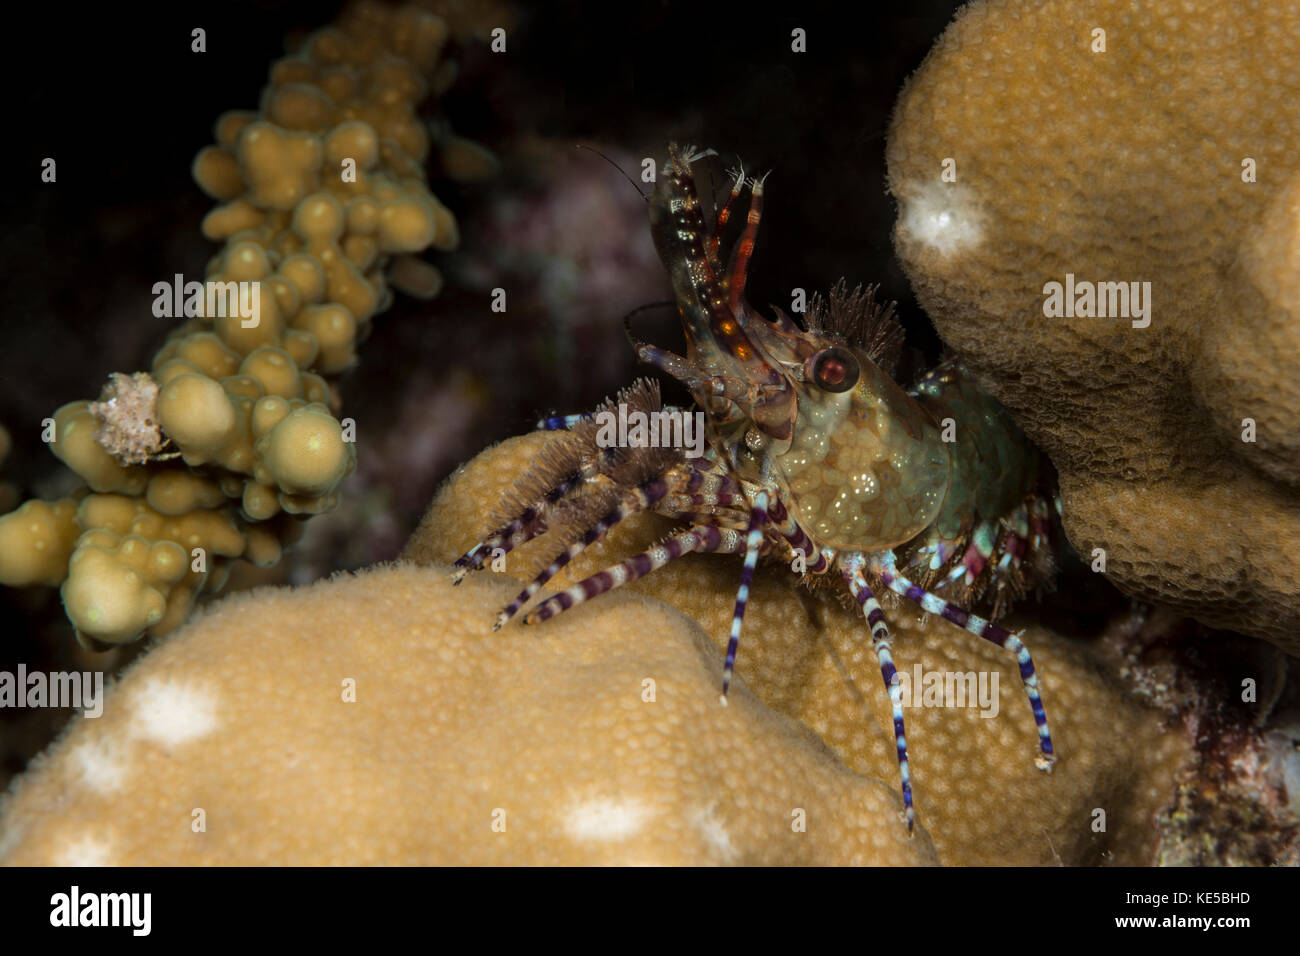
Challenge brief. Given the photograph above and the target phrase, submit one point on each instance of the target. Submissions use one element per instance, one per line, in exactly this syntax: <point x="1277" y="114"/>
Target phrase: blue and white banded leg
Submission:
<point x="523" y="528"/>
<point x="815" y="561"/>
<point x="639" y="499"/>
<point x="701" y="539"/>
<point x="753" y="543"/>
<point x="559" y="423"/>
<point x="562" y="423"/>
<point x="851" y="566"/>
<point x="884" y="566"/>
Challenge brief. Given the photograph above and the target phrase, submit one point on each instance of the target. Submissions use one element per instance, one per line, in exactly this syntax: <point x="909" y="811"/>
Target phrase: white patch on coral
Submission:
<point x="173" y="712"/>
<point x="87" y="851"/>
<point x="99" y="764"/>
<point x="944" y="216"/>
<point x="605" y="819"/>
<point x="715" y="835"/>
<point x="10" y="837"/>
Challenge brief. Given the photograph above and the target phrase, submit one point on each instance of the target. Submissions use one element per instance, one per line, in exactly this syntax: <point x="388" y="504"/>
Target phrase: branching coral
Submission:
<point x="233" y="435"/>
<point x="1154" y="147"/>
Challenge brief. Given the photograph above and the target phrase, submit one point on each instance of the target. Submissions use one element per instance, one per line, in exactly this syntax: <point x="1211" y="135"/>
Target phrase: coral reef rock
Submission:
<point x="375" y="719"/>
<point x="1145" y="159"/>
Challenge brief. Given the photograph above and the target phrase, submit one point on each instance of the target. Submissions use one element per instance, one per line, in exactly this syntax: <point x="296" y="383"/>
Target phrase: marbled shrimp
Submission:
<point x="814" y="454"/>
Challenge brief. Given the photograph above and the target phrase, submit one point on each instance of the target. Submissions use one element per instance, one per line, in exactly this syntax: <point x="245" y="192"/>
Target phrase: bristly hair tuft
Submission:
<point x="859" y="319"/>
<point x="559" y="460"/>
<point x="602" y="476"/>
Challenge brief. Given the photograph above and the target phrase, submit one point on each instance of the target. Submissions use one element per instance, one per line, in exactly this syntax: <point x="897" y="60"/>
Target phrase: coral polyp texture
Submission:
<point x="297" y="727"/>
<point x="1151" y="171"/>
<point x="233" y="436"/>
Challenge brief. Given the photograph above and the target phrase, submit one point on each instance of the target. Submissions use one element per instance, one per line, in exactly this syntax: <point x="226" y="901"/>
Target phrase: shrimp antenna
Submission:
<point x="593" y="149"/>
<point x="627" y="319"/>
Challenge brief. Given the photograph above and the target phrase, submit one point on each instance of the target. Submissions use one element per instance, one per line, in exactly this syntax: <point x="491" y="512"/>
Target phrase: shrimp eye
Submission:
<point x="835" y="369"/>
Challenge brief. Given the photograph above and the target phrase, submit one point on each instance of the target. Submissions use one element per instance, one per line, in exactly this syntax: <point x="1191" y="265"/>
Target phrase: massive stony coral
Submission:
<point x="375" y="719"/>
<point x="1121" y="142"/>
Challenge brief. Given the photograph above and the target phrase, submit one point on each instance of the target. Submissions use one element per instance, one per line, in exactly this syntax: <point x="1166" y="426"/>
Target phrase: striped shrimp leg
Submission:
<point x="896" y="582"/>
<point x="753" y="541"/>
<point x="1014" y="543"/>
<point x="528" y="524"/>
<point x="708" y="491"/>
<point x="640" y="499"/>
<point x="714" y="392"/>
<point x="564" y="423"/>
<point x="798" y="539"/>
<point x="724" y="214"/>
<point x="851" y="565"/>
<point x="559" y="423"/>
<point x="740" y="256"/>
<point x="703" y="539"/>
<point x="722" y="510"/>
<point x="984" y="538"/>
<point x="675" y="504"/>
<point x="1041" y="524"/>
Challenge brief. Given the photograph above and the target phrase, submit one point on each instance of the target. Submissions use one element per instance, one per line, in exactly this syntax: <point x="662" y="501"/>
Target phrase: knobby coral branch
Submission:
<point x="233" y="437"/>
